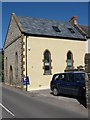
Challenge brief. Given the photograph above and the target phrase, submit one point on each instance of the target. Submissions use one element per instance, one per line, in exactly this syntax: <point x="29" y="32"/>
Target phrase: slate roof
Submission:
<point x="86" y="29"/>
<point x="36" y="26"/>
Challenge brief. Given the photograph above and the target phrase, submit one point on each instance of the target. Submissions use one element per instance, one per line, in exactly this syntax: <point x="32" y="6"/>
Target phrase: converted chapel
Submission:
<point x="39" y="48"/>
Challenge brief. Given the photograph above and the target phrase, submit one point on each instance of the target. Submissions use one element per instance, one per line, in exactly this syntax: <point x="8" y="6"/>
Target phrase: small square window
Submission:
<point x="56" y="28"/>
<point x="71" y="30"/>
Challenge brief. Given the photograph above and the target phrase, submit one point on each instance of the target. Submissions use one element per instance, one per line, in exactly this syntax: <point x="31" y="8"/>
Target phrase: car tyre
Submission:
<point x="55" y="91"/>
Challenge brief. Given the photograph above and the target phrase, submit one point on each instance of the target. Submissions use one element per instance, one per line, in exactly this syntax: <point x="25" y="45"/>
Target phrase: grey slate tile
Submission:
<point x="38" y="26"/>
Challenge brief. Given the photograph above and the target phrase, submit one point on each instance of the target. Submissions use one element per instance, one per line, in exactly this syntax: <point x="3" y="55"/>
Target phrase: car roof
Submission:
<point x="74" y="72"/>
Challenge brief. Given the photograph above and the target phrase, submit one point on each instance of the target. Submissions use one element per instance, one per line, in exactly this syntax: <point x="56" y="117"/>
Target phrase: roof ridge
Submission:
<point x="57" y="20"/>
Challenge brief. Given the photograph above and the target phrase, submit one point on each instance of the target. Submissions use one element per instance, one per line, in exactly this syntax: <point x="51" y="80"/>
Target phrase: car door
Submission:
<point x="79" y="84"/>
<point x="63" y="84"/>
<point x="67" y="84"/>
<point x="72" y="84"/>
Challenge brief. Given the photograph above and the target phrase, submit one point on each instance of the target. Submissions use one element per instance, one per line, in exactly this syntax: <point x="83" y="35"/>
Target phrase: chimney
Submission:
<point x="73" y="20"/>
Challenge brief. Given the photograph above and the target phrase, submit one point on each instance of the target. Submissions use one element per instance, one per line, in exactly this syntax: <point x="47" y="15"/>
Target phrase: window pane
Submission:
<point x="71" y="30"/>
<point x="56" y="28"/>
<point x="46" y="68"/>
<point x="79" y="76"/>
<point x="63" y="76"/>
<point x="47" y="62"/>
<point x="69" y="55"/>
<point x="69" y="63"/>
<point x="56" y="77"/>
<point x="69" y="60"/>
<point x="46" y="56"/>
<point x="70" y="77"/>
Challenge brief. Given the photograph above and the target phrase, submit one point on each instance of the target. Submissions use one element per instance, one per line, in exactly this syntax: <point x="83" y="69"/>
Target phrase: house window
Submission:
<point x="16" y="64"/>
<point x="71" y="30"/>
<point x="6" y="66"/>
<point x="69" y="60"/>
<point x="47" y="62"/>
<point x="56" y="28"/>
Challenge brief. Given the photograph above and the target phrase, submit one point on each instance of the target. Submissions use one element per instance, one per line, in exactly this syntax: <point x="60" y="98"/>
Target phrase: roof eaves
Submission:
<point x="49" y="36"/>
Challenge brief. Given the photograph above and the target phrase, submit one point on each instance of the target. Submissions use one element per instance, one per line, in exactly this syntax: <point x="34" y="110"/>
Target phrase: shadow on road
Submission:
<point x="81" y="100"/>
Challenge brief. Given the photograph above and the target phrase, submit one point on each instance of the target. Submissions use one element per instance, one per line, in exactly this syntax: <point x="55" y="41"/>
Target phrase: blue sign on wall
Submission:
<point x="26" y="80"/>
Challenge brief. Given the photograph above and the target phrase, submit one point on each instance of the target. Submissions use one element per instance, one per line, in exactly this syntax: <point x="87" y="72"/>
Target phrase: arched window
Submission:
<point x="69" y="60"/>
<point x="11" y="75"/>
<point x="6" y="66"/>
<point x="16" y="64"/>
<point x="47" y="62"/>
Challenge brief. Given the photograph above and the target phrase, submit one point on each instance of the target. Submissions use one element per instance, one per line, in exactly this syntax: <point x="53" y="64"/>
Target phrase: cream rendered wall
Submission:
<point x="58" y="49"/>
<point x="88" y="45"/>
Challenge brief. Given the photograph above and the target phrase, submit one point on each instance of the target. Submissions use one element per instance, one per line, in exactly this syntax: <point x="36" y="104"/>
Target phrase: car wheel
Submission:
<point x="55" y="91"/>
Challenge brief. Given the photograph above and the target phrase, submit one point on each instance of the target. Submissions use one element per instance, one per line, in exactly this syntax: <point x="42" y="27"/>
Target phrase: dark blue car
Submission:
<point x="70" y="83"/>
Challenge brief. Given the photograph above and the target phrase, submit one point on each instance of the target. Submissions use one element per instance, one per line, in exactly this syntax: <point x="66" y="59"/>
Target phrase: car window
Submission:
<point x="56" y="77"/>
<point x="79" y="76"/>
<point x="71" y="77"/>
<point x="62" y="77"/>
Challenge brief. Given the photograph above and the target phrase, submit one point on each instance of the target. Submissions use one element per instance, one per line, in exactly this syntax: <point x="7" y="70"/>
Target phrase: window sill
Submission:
<point x="47" y="74"/>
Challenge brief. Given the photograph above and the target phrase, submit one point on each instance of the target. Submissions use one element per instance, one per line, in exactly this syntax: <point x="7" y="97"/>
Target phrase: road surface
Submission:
<point x="19" y="104"/>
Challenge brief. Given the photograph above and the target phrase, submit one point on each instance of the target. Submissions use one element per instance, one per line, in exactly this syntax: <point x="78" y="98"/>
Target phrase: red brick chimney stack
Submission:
<point x="73" y="20"/>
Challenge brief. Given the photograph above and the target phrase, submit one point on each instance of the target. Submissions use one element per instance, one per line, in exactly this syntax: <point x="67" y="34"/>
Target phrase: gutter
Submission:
<point x="57" y="37"/>
<point x="26" y="63"/>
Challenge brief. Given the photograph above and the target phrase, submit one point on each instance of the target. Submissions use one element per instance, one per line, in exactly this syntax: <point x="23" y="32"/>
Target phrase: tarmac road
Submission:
<point x="21" y="104"/>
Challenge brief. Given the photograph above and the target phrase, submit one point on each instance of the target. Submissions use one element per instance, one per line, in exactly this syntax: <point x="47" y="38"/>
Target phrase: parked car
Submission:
<point x="70" y="83"/>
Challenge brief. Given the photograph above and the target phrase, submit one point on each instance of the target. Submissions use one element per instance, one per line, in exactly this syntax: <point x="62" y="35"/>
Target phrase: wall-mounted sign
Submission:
<point x="26" y="80"/>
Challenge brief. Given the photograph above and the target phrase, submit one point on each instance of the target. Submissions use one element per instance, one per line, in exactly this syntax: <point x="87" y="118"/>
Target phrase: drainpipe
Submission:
<point x="26" y="63"/>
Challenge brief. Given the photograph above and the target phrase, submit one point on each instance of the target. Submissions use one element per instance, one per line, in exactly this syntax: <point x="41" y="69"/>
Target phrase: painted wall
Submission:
<point x="58" y="48"/>
<point x="89" y="45"/>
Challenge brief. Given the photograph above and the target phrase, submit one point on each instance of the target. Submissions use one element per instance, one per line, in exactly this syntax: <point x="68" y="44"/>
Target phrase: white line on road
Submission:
<point x="7" y="110"/>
